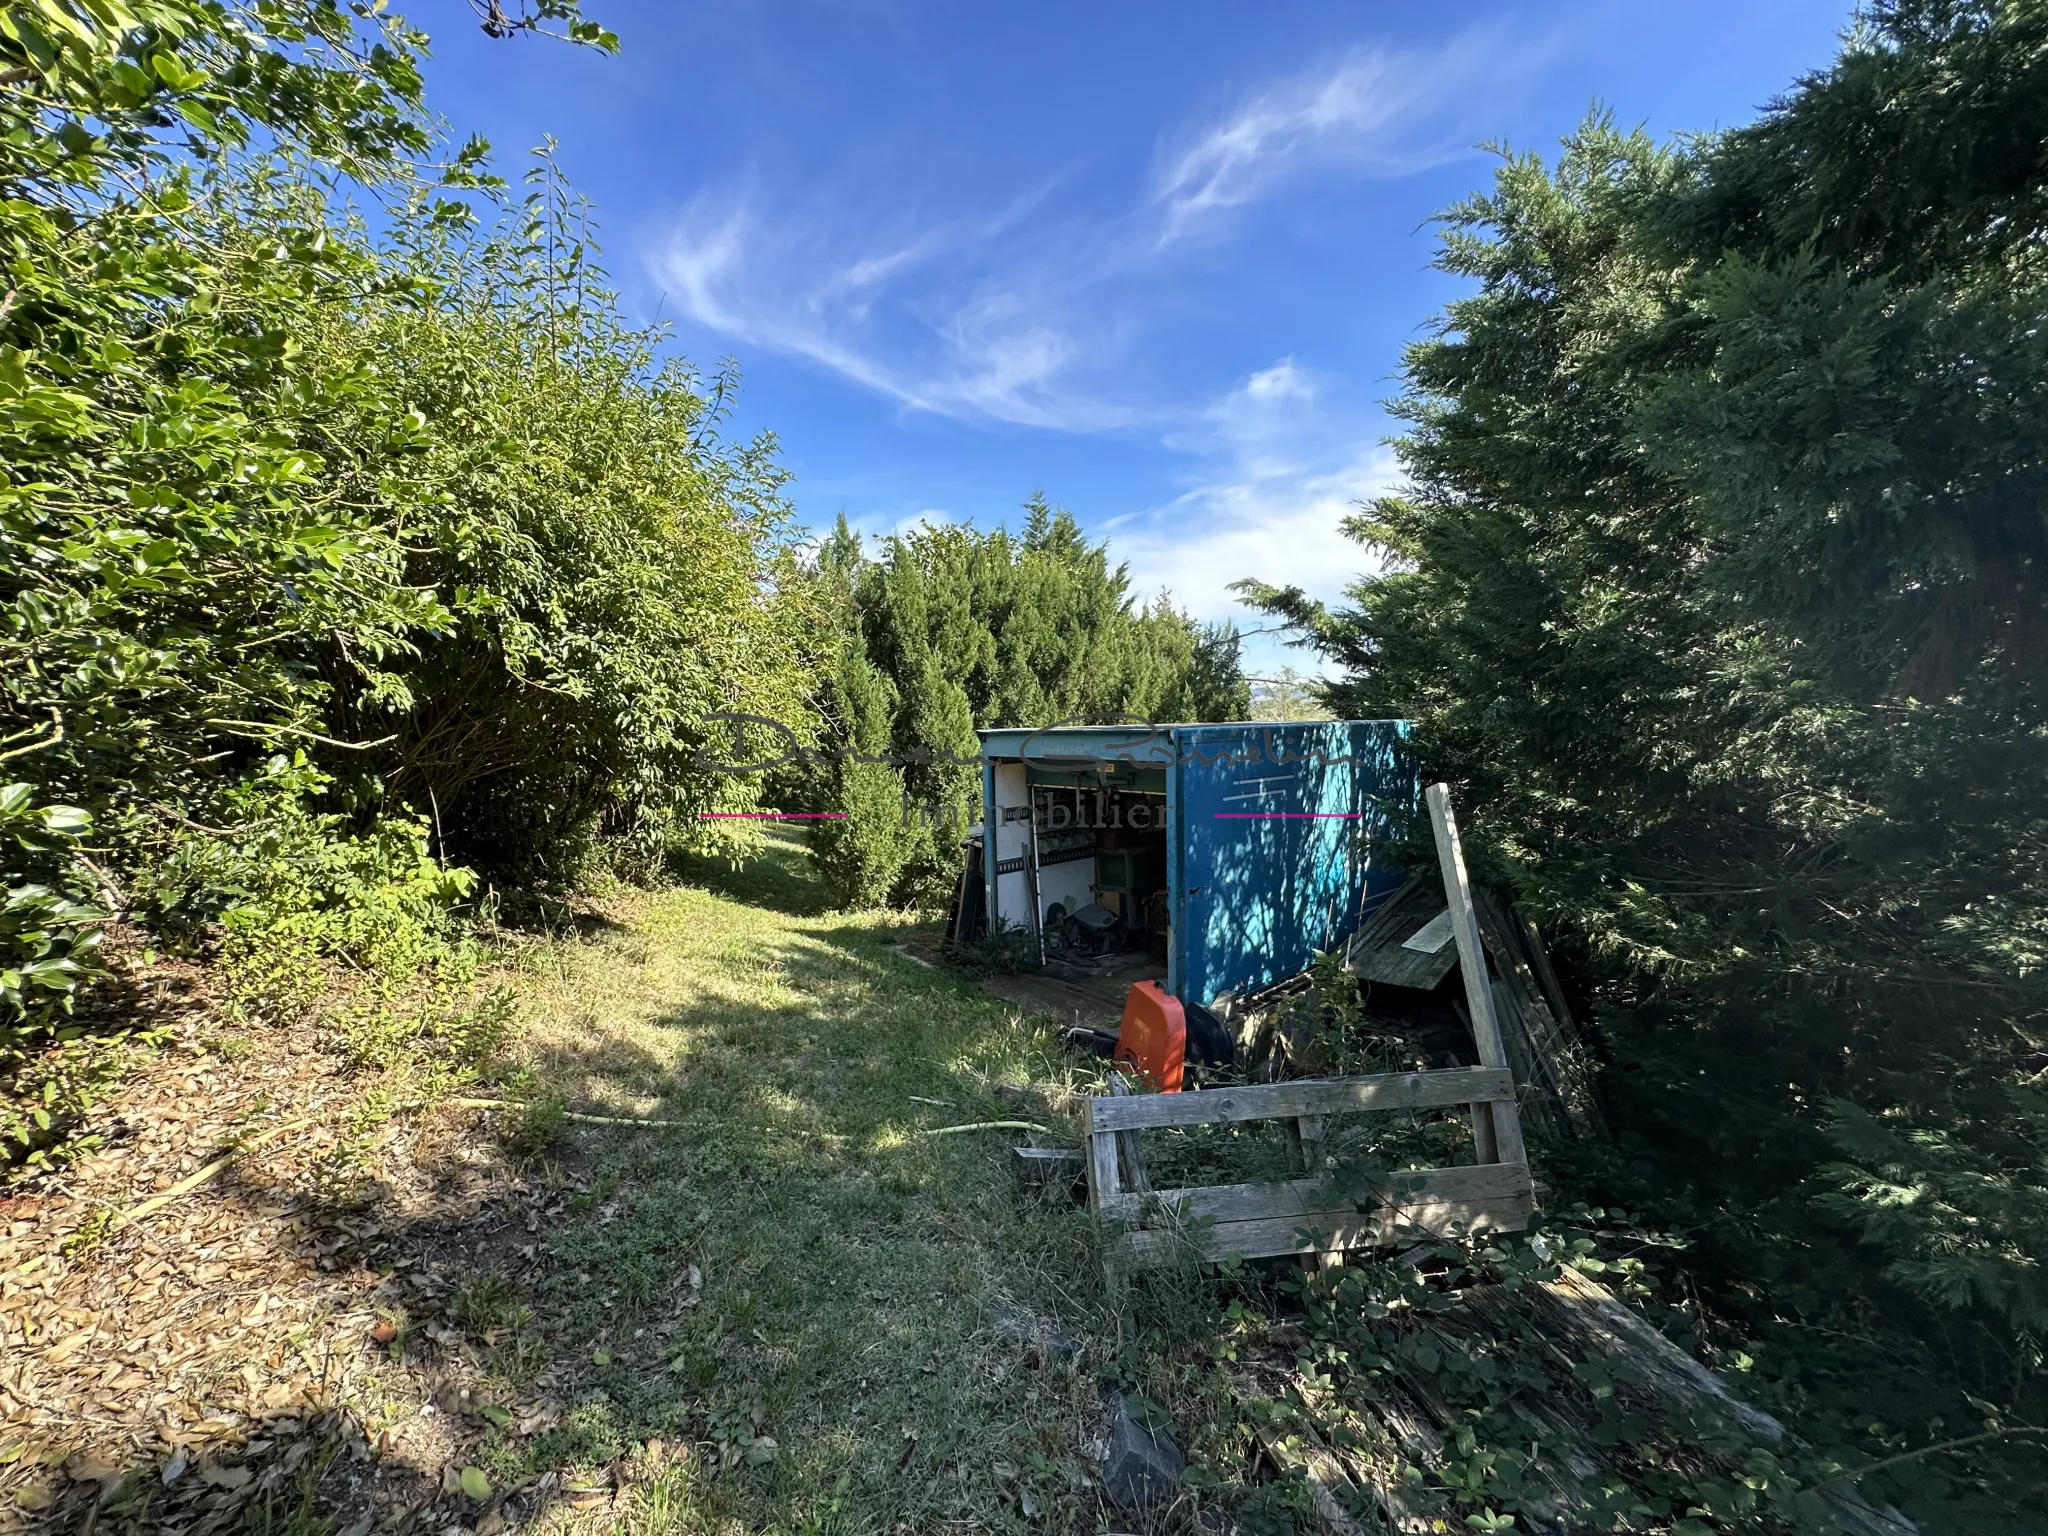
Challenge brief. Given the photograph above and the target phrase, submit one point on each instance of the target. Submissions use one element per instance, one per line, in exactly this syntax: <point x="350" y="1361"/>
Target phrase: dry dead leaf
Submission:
<point x="187" y="1328"/>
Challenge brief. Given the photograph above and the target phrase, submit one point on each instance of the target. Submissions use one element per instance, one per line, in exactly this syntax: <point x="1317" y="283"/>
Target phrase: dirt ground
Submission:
<point x="216" y="1360"/>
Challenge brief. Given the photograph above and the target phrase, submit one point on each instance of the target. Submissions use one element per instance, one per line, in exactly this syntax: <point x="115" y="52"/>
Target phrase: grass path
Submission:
<point x="795" y="1261"/>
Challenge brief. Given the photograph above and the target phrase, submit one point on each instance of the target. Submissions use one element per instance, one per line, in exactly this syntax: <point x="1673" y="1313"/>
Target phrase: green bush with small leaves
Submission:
<point x="336" y="562"/>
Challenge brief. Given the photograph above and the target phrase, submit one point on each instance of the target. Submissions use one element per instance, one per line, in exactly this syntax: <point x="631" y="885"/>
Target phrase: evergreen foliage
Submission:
<point x="1718" y="582"/>
<point x="951" y="631"/>
<point x="860" y="855"/>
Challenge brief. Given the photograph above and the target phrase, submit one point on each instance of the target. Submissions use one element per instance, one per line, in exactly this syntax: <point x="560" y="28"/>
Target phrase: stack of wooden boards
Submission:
<point x="1530" y="1057"/>
<point x="1406" y="942"/>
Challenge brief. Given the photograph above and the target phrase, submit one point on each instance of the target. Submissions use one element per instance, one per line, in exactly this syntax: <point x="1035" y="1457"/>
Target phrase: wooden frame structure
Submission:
<point x="1312" y="1214"/>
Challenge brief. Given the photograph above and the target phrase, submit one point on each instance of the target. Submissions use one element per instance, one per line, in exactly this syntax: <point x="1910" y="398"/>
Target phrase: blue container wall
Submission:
<point x="1274" y="853"/>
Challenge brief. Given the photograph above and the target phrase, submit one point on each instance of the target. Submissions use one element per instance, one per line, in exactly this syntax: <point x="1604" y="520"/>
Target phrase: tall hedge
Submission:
<point x="377" y="545"/>
<point x="1718" y="582"/>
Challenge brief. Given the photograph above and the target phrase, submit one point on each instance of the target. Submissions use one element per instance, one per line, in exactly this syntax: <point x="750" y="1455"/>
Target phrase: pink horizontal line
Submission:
<point x="771" y="815"/>
<point x="1286" y="815"/>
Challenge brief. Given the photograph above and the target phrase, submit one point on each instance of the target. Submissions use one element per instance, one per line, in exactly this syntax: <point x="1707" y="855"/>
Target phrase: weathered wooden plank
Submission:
<point x="1323" y="1196"/>
<point x="1507" y="1131"/>
<point x="1309" y="1139"/>
<point x="1604" y="1325"/>
<point x="1103" y="1183"/>
<point x="1392" y="966"/>
<point x="1305" y="1453"/>
<point x="1376" y="952"/>
<point x="1386" y="913"/>
<point x="1465" y="927"/>
<point x="1553" y="1032"/>
<point x="1305" y="1096"/>
<point x="1532" y="1096"/>
<point x="1496" y="1129"/>
<point x="1046" y="1165"/>
<point x="1546" y="975"/>
<point x="1324" y="1232"/>
<point x="1542" y="1041"/>
<point x="1485" y="1144"/>
<point x="1537" y="1051"/>
<point x="1128" y="1150"/>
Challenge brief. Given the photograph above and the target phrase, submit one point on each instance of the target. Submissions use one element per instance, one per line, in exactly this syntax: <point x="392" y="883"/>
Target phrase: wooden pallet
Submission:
<point x="1313" y="1214"/>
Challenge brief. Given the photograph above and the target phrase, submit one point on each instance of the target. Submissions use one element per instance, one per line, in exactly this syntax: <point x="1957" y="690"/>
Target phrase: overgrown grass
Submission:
<point x="837" y="1311"/>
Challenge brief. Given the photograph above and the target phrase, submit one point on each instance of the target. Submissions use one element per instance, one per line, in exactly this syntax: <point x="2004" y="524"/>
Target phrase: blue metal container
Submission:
<point x="1271" y="832"/>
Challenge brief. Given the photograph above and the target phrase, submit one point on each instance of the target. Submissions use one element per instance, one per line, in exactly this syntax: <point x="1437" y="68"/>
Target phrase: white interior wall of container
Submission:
<point x="1070" y="883"/>
<point x="1012" y="846"/>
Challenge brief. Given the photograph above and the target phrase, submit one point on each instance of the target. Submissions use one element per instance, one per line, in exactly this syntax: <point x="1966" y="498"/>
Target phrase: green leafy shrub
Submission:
<point x="283" y="890"/>
<point x="48" y="933"/>
<point x="612" y="569"/>
<point x="49" y="946"/>
<point x="314" y="538"/>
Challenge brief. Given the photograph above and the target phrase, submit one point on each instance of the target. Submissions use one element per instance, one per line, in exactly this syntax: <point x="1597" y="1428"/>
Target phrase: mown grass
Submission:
<point x="859" y="1289"/>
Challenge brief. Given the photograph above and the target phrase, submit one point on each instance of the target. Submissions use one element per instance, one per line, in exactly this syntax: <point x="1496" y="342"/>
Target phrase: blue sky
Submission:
<point x="1156" y="260"/>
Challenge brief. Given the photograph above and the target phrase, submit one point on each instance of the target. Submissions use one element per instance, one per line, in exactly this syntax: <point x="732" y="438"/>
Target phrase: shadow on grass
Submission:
<point x="777" y="875"/>
<point x="545" y="916"/>
<point x="789" y="1277"/>
<point x="861" y="1280"/>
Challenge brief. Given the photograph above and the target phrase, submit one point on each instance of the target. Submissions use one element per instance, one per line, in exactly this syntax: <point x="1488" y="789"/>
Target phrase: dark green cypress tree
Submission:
<point x="920" y="631"/>
<point x="860" y="857"/>
<point x="960" y="630"/>
<point x="1718" y="582"/>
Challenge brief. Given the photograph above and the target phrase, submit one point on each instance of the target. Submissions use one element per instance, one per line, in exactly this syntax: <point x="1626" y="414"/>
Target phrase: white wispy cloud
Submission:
<point x="932" y="319"/>
<point x="1379" y="110"/>
<point x="1023" y="311"/>
<point x="1276" y="474"/>
<point x="1269" y="425"/>
<point x="1284" y="531"/>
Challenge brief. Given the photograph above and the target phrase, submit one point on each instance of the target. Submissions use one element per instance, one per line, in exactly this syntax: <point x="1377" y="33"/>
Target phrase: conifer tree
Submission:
<point x="1718" y="582"/>
<point x="969" y="631"/>
<point x="859" y="854"/>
